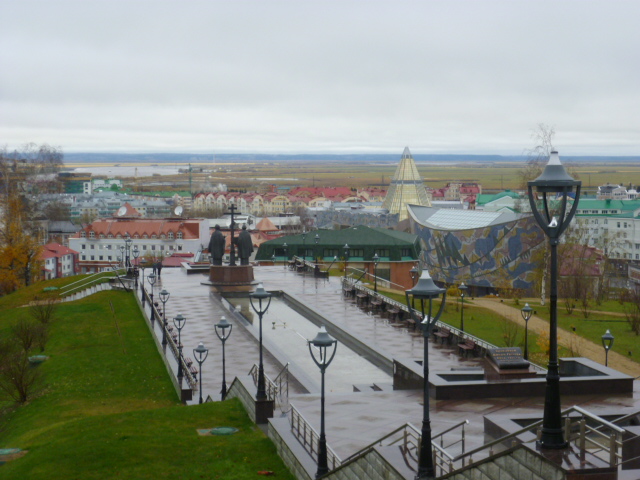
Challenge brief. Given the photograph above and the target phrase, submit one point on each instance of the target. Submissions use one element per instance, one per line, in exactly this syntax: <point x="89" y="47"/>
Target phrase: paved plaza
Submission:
<point x="354" y="420"/>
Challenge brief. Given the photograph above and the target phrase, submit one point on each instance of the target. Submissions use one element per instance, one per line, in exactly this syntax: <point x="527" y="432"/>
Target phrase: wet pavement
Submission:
<point x="353" y="420"/>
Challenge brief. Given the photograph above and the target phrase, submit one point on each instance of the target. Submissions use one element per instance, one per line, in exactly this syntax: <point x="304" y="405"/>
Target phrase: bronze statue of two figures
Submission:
<point x="243" y="243"/>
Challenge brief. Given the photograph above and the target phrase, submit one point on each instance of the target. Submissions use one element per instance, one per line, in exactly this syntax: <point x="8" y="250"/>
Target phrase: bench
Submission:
<point x="362" y="298"/>
<point x="376" y="304"/>
<point x="442" y="334"/>
<point x="392" y="313"/>
<point x="465" y="347"/>
<point x="194" y="372"/>
<point x="188" y="362"/>
<point x="349" y="291"/>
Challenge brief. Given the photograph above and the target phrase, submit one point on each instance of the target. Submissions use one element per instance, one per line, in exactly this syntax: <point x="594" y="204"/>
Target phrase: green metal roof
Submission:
<point x="484" y="198"/>
<point x="624" y="205"/>
<point x="359" y="237"/>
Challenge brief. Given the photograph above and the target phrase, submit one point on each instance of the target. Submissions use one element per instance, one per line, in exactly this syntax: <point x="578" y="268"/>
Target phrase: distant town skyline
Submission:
<point x="454" y="77"/>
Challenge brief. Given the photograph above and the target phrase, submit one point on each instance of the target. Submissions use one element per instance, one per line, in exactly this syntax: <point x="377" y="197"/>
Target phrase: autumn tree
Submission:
<point x="19" y="246"/>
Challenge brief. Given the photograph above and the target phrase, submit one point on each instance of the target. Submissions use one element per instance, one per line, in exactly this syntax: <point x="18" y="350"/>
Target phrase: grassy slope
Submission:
<point x="108" y="409"/>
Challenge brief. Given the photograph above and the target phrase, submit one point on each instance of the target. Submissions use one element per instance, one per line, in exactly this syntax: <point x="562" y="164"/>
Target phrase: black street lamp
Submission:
<point x="526" y="312"/>
<point x="164" y="298"/>
<point x="555" y="184"/>
<point x="286" y="257"/>
<point x="322" y="342"/>
<point x="222" y="326"/>
<point x="142" y="284"/>
<point x="127" y="249"/>
<point x="122" y="257"/>
<point x="136" y="253"/>
<point x="260" y="294"/>
<point x="152" y="281"/>
<point x="415" y="272"/>
<point x="179" y="321"/>
<point x="463" y="289"/>
<point x="425" y="289"/>
<point x="346" y="259"/>
<point x="376" y="260"/>
<point x="200" y="352"/>
<point x="315" y="253"/>
<point x="304" y="247"/>
<point x="607" y="343"/>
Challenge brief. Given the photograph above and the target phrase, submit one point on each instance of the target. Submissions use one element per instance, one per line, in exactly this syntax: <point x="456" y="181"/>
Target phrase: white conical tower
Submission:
<point x="406" y="187"/>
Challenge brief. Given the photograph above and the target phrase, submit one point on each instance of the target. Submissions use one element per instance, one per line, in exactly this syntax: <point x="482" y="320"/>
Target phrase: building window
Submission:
<point x="356" y="252"/>
<point x="100" y="257"/>
<point x="93" y="257"/>
<point x="93" y="246"/>
<point x="102" y="235"/>
<point x="92" y="234"/>
<point x="170" y="235"/>
<point x="179" y="235"/>
<point x="153" y="247"/>
<point x="84" y="246"/>
<point x="405" y="252"/>
<point x="383" y="252"/>
<point x="327" y="252"/>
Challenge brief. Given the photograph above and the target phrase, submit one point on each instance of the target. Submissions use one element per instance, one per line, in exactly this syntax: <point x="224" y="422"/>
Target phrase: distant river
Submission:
<point x="130" y="170"/>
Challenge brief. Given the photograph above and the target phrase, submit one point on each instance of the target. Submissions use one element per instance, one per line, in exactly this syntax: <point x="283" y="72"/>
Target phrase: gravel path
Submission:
<point x="586" y="348"/>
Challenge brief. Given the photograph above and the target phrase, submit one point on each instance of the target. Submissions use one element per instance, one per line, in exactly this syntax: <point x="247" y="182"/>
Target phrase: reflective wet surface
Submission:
<point x="353" y="420"/>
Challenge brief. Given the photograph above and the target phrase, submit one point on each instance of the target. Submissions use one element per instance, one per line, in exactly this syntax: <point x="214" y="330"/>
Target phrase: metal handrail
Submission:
<point x="81" y="280"/>
<point x="408" y="431"/>
<point x="459" y="333"/>
<point x="270" y="386"/>
<point x="310" y="439"/>
<point x="533" y="426"/>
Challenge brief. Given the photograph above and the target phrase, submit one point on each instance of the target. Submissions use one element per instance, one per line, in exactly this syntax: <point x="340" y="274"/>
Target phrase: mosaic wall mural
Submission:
<point x="496" y="256"/>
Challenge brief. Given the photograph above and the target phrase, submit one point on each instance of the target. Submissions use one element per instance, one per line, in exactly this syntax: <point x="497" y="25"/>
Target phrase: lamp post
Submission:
<point x="122" y="257"/>
<point x="322" y="342"/>
<point x="607" y="343"/>
<point x="200" y="352"/>
<point x="415" y="272"/>
<point x="222" y="326"/>
<point x="553" y="183"/>
<point x="304" y="247"/>
<point x="315" y="253"/>
<point x="425" y="289"/>
<point x="346" y="259"/>
<point x="136" y="253"/>
<point x="164" y="298"/>
<point x="260" y="295"/>
<point x="179" y="321"/>
<point x="152" y="281"/>
<point x="142" y="284"/>
<point x="463" y="289"/>
<point x="127" y="250"/>
<point x="376" y="260"/>
<point x="526" y="312"/>
<point x="286" y="257"/>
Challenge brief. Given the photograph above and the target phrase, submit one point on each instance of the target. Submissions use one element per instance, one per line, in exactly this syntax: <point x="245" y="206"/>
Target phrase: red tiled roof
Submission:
<point x="53" y="250"/>
<point x="121" y="226"/>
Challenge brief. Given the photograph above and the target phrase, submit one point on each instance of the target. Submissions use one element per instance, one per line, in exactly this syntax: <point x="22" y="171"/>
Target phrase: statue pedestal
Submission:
<point x="227" y="278"/>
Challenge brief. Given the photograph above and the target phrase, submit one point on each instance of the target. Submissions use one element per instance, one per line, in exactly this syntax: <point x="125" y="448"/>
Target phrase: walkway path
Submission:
<point x="586" y="347"/>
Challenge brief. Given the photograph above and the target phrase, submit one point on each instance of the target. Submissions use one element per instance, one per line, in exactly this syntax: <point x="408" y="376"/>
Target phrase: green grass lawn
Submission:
<point x="107" y="409"/>
<point x="596" y="325"/>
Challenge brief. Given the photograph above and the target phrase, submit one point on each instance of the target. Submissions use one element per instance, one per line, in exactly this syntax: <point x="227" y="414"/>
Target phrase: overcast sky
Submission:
<point x="320" y="76"/>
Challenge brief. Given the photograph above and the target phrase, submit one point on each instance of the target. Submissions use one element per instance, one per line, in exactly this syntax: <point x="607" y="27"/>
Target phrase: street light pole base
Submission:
<point x="264" y="411"/>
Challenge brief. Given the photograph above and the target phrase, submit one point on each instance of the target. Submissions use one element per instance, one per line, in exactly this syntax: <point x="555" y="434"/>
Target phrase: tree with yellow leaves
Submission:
<point x="19" y="247"/>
